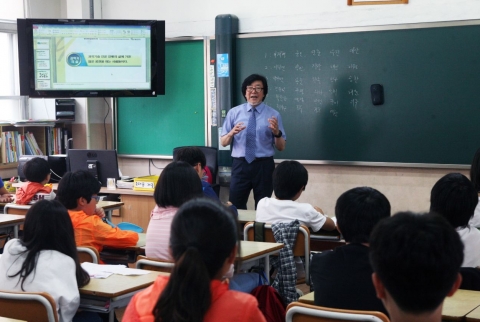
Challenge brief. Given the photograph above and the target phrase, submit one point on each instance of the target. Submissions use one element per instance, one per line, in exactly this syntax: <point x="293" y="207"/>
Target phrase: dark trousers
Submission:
<point x="247" y="176"/>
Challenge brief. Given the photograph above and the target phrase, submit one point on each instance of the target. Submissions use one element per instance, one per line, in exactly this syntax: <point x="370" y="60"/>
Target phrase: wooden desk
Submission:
<point x="251" y="250"/>
<point x="245" y="216"/>
<point x="106" y="294"/>
<point x="12" y="221"/>
<point x="109" y="207"/>
<point x="455" y="308"/>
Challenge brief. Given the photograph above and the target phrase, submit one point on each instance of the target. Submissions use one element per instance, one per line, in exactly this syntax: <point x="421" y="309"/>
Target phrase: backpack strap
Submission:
<point x="259" y="231"/>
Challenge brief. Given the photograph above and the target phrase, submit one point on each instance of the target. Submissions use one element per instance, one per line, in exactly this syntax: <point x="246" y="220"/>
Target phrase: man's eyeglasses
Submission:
<point x="254" y="89"/>
<point x="97" y="198"/>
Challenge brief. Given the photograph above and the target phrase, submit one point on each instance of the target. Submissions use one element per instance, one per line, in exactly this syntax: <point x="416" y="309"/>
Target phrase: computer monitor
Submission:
<point x="102" y="164"/>
<point x="57" y="164"/>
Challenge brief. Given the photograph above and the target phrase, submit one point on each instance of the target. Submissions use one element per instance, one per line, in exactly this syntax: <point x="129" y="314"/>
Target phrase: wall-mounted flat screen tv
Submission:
<point x="91" y="58"/>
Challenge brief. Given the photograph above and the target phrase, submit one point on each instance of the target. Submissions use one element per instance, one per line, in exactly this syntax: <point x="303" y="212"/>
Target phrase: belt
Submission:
<point x="256" y="159"/>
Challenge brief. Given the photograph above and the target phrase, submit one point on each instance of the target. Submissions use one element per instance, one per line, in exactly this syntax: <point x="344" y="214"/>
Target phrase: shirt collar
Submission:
<point x="259" y="107"/>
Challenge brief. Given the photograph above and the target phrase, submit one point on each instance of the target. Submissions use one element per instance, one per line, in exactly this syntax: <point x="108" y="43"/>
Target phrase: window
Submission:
<point x="12" y="105"/>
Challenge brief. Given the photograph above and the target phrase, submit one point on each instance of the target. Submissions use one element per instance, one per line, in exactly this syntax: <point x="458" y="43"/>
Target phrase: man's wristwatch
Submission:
<point x="278" y="135"/>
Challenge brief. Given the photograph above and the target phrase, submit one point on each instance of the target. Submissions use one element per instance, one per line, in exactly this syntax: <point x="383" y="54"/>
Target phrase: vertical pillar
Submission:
<point x="226" y="29"/>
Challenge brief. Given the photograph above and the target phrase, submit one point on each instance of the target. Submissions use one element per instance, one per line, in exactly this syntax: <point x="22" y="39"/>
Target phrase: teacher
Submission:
<point x="254" y="129"/>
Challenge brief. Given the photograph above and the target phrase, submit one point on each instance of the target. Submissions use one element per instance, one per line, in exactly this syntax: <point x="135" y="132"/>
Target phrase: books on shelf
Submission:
<point x="14" y="145"/>
<point x="57" y="139"/>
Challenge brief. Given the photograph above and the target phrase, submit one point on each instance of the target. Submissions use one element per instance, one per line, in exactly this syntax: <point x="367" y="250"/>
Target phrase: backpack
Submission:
<point x="270" y="303"/>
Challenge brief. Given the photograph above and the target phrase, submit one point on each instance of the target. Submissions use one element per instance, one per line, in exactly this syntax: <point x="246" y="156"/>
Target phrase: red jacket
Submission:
<point x="226" y="305"/>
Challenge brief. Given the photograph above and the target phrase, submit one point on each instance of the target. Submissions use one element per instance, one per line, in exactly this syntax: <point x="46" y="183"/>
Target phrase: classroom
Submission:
<point x="407" y="186"/>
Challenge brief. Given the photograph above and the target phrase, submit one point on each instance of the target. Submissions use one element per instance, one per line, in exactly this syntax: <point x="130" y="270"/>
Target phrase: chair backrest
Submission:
<point x="88" y="254"/>
<point x="28" y="306"/>
<point x="301" y="312"/>
<point x="301" y="248"/>
<point x="211" y="155"/>
<point x="153" y="264"/>
<point x="14" y="209"/>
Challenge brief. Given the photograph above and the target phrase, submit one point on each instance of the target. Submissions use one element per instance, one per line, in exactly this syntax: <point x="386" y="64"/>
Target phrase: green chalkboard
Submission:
<point x="320" y="83"/>
<point x="155" y="125"/>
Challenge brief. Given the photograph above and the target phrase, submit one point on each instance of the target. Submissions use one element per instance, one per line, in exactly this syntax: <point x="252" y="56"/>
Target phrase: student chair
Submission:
<point x="28" y="306"/>
<point x="302" y="244"/>
<point x="211" y="155"/>
<point x="88" y="254"/>
<point x="301" y="312"/>
<point x="14" y="209"/>
<point x="153" y="264"/>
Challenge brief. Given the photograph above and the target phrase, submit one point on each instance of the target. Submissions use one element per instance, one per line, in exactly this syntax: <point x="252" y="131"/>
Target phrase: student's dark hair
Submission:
<point x="192" y="155"/>
<point x="252" y="78"/>
<point x="358" y="210"/>
<point x="48" y="227"/>
<point x="454" y="197"/>
<point x="417" y="257"/>
<point x="475" y="171"/>
<point x="36" y="170"/>
<point x="74" y="185"/>
<point x="288" y="178"/>
<point x="203" y="235"/>
<point x="177" y="184"/>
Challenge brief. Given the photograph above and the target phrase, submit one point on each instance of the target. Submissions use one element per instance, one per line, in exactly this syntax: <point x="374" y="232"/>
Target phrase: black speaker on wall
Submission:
<point x="377" y="94"/>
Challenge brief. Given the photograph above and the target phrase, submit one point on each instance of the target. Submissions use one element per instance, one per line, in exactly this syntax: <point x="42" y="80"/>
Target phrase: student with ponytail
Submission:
<point x="203" y="244"/>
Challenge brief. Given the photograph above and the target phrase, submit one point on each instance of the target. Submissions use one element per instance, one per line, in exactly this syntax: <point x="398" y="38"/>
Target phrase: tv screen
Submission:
<point x="91" y="58"/>
<point x="57" y="164"/>
<point x="102" y="164"/>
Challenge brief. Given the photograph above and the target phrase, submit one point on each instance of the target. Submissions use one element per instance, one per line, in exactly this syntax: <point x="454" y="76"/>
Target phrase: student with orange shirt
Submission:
<point x="77" y="191"/>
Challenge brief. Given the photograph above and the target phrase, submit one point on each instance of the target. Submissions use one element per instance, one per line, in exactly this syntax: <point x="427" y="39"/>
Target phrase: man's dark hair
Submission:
<point x="417" y="257"/>
<point x="36" y="170"/>
<point x="288" y="178"/>
<point x="190" y="154"/>
<point x="252" y="78"/>
<point x="74" y="185"/>
<point x="455" y="198"/>
<point x="177" y="184"/>
<point x="358" y="210"/>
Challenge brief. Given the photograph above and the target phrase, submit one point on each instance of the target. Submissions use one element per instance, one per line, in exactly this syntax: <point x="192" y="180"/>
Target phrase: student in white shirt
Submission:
<point x="454" y="197"/>
<point x="475" y="178"/>
<point x="289" y="181"/>
<point x="46" y="260"/>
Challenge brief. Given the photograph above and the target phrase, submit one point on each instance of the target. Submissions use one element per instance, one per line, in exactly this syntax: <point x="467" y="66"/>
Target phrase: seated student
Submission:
<point x="416" y="260"/>
<point x="77" y="191"/>
<point x="46" y="260"/>
<point x="475" y="178"/>
<point x="5" y="196"/>
<point x="177" y="184"/>
<point x="454" y="197"/>
<point x="342" y="278"/>
<point x="37" y="173"/>
<point x="203" y="244"/>
<point x="196" y="158"/>
<point x="289" y="181"/>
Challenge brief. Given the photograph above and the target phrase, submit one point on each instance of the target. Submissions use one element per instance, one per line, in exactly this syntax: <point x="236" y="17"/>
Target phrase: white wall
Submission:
<point x="197" y="18"/>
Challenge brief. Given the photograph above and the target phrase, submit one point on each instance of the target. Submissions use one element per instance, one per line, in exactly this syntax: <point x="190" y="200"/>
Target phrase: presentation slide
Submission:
<point x="91" y="57"/>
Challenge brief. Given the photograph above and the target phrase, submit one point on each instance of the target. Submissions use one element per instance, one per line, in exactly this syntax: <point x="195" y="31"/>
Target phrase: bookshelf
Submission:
<point x="39" y="132"/>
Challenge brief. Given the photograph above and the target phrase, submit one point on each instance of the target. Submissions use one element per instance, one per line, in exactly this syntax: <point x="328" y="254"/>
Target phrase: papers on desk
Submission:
<point x="104" y="271"/>
<point x="125" y="184"/>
